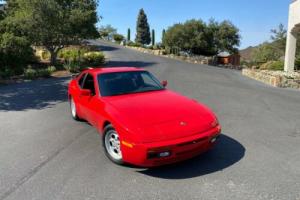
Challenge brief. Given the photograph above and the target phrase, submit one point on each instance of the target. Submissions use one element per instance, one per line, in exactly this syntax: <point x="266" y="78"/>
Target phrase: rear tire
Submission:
<point x="73" y="109"/>
<point x="112" y="145"/>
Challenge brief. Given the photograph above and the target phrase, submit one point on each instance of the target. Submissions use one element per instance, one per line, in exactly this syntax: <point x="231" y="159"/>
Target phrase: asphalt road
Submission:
<point x="44" y="154"/>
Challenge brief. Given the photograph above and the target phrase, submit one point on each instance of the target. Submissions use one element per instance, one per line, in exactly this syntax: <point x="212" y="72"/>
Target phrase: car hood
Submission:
<point x="163" y="115"/>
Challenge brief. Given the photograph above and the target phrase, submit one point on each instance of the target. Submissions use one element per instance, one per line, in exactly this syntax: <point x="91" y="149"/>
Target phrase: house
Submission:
<point x="225" y="58"/>
<point x="292" y="34"/>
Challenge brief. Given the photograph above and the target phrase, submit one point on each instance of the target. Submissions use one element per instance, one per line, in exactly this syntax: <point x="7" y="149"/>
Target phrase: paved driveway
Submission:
<point x="44" y="154"/>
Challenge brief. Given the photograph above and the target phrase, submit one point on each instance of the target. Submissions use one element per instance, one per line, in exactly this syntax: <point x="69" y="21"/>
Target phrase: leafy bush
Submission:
<point x="31" y="73"/>
<point x="266" y="52"/>
<point x="73" y="67"/>
<point x="15" y="53"/>
<point x="133" y="44"/>
<point x="94" y="58"/>
<point x="272" y="65"/>
<point x="51" y="69"/>
<point x="118" y="38"/>
<point x="6" y="73"/>
<point x="72" y="54"/>
<point x="45" y="55"/>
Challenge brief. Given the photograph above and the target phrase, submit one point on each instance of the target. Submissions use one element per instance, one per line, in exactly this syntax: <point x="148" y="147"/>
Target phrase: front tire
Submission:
<point x="112" y="145"/>
<point x="73" y="109"/>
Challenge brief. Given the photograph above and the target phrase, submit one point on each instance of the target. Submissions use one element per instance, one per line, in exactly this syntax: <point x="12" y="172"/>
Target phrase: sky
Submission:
<point x="254" y="18"/>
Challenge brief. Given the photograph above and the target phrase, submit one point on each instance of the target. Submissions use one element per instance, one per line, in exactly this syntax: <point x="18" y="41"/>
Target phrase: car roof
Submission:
<point x="111" y="70"/>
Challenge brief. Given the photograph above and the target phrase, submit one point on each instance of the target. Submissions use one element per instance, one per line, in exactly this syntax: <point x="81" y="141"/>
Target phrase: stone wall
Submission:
<point x="275" y="78"/>
<point x="190" y="59"/>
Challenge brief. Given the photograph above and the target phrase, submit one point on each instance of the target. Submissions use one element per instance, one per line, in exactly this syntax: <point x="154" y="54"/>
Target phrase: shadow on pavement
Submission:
<point x="106" y="48"/>
<point x="226" y="153"/>
<point x="101" y="47"/>
<point x="129" y="64"/>
<point x="36" y="94"/>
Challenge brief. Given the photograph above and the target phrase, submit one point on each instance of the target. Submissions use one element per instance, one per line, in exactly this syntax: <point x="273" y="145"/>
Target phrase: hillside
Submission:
<point x="246" y="54"/>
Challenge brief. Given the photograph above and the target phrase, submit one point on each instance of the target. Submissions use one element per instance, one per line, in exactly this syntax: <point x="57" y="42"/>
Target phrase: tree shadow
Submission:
<point x="139" y="64"/>
<point x="107" y="48"/>
<point x="226" y="153"/>
<point x="38" y="94"/>
<point x="101" y="47"/>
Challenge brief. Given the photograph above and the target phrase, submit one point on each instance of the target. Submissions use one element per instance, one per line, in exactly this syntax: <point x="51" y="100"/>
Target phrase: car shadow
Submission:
<point x="226" y="153"/>
<point x="38" y="94"/>
<point x="139" y="64"/>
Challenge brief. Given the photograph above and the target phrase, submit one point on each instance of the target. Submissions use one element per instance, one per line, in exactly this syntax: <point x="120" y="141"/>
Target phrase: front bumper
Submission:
<point x="180" y="149"/>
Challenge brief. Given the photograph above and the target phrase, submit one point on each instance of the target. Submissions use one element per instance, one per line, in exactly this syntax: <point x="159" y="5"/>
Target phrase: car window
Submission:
<point x="89" y="83"/>
<point x="148" y="80"/>
<point x="119" y="83"/>
<point x="80" y="81"/>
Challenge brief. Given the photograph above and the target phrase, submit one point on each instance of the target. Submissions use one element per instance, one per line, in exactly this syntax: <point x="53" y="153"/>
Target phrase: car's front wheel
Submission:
<point x="73" y="109"/>
<point x="112" y="145"/>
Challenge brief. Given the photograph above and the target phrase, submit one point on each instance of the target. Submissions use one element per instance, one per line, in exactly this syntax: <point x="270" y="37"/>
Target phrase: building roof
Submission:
<point x="224" y="54"/>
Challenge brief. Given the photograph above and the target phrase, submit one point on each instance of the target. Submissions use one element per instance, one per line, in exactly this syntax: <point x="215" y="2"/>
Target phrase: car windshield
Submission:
<point x="119" y="83"/>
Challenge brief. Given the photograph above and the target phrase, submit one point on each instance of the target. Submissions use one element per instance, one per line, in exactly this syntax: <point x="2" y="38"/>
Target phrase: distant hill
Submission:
<point x="246" y="54"/>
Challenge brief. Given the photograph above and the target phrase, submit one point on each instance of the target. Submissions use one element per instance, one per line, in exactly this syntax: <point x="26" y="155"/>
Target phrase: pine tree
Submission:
<point x="128" y="34"/>
<point x="153" y="37"/>
<point x="142" y="29"/>
<point x="163" y="34"/>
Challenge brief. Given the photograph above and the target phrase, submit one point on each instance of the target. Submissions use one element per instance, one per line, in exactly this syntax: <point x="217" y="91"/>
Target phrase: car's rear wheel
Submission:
<point x="112" y="145"/>
<point x="73" y="109"/>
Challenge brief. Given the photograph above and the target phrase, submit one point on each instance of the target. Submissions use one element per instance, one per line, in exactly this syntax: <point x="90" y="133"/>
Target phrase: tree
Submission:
<point x="278" y="38"/>
<point x="53" y="24"/>
<point x="107" y="32"/>
<point x="142" y="29"/>
<point x="227" y="37"/>
<point x="266" y="52"/>
<point x="15" y="53"/>
<point x="153" y="37"/>
<point x="197" y="37"/>
<point x="118" y="38"/>
<point x="128" y="34"/>
<point x="190" y="36"/>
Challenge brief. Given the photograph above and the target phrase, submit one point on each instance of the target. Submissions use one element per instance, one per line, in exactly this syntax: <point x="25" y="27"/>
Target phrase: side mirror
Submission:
<point x="85" y="92"/>
<point x="164" y="83"/>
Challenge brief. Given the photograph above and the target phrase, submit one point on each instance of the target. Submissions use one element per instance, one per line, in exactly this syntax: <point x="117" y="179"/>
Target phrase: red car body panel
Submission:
<point x="149" y="122"/>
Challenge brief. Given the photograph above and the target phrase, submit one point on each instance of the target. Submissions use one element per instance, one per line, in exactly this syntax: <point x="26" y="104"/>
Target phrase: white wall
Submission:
<point x="294" y="18"/>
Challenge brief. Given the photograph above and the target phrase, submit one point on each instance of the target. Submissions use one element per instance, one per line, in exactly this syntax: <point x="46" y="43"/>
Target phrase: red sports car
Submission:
<point x="141" y="122"/>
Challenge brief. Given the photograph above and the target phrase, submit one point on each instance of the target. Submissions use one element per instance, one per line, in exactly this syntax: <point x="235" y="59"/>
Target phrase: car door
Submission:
<point x="89" y="103"/>
<point x="76" y="87"/>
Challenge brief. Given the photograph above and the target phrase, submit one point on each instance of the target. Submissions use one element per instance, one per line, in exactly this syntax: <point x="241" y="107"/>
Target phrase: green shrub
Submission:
<point x="133" y="44"/>
<point x="45" y="55"/>
<point x="73" y="67"/>
<point x="94" y="58"/>
<point x="15" y="52"/>
<point x="6" y="73"/>
<point x="272" y="65"/>
<point x="45" y="73"/>
<point x="51" y="69"/>
<point x="118" y="38"/>
<point x="72" y="54"/>
<point x="30" y="73"/>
